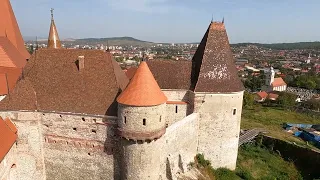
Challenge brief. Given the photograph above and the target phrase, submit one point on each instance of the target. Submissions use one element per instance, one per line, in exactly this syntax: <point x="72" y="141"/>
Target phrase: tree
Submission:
<point x="248" y="100"/>
<point x="286" y="100"/>
<point x="313" y="104"/>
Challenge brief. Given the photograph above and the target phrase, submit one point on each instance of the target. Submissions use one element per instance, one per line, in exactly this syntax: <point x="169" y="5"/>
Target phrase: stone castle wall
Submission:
<point x="64" y="146"/>
<point x="54" y="145"/>
<point x="29" y="151"/>
<point x="176" y="110"/>
<point x="142" y="119"/>
<point x="219" y="127"/>
<point x="179" y="146"/>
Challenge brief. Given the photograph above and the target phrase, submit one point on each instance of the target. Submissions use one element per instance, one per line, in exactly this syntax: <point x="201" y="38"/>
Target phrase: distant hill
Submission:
<point x="115" y="41"/>
<point x="284" y="46"/>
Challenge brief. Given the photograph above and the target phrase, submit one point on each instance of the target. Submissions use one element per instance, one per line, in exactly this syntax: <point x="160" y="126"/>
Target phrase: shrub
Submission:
<point x="225" y="174"/>
<point x="202" y="161"/>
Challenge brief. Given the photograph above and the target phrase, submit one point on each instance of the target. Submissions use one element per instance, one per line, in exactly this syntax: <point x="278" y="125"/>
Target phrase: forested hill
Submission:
<point x="284" y="46"/>
<point x="119" y="41"/>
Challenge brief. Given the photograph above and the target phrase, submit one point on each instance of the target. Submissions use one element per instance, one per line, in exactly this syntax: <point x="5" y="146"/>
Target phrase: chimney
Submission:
<point x="80" y="63"/>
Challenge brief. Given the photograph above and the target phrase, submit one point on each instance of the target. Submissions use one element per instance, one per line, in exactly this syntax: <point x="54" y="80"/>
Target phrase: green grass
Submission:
<point x="271" y="119"/>
<point x="255" y="162"/>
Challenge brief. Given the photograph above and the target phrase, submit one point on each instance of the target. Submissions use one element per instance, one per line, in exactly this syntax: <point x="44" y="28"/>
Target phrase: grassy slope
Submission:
<point x="271" y="119"/>
<point x="259" y="163"/>
<point x="253" y="163"/>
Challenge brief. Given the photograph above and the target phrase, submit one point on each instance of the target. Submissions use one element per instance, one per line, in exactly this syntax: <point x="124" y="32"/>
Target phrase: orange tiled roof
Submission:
<point x="278" y="82"/>
<point x="13" y="75"/>
<point x="9" y="28"/>
<point x="143" y="90"/>
<point x="10" y="124"/>
<point x="273" y="96"/>
<point x="262" y="94"/>
<point x="9" y="54"/>
<point x="7" y="138"/>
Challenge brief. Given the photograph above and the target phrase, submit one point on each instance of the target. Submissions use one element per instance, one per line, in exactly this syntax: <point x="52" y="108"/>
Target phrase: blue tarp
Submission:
<point x="304" y="126"/>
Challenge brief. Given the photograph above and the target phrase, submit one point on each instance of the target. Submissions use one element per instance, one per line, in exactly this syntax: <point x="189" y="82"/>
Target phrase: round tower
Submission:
<point x="141" y="122"/>
<point x="270" y="76"/>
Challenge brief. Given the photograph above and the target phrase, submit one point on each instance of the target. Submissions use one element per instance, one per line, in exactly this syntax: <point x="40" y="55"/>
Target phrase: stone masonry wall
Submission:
<point x="175" y="112"/>
<point x="219" y="127"/>
<point x="178" y="111"/>
<point x="142" y="119"/>
<point x="64" y="146"/>
<point x="79" y="147"/>
<point x="29" y="154"/>
<point x="179" y="146"/>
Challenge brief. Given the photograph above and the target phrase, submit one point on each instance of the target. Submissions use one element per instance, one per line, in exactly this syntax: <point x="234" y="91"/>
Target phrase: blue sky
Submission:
<point x="264" y="21"/>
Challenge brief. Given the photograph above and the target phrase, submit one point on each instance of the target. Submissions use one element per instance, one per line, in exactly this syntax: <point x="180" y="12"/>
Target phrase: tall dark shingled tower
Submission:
<point x="218" y="97"/>
<point x="213" y="68"/>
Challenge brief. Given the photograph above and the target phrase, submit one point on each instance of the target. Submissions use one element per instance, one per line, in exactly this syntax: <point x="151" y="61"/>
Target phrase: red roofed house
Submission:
<point x="272" y="83"/>
<point x="13" y="54"/>
<point x="261" y="96"/>
<point x="8" y="135"/>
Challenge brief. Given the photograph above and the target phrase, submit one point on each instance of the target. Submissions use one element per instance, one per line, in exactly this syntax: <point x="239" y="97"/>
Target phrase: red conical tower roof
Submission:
<point x="143" y="90"/>
<point x="9" y="28"/>
<point x="53" y="39"/>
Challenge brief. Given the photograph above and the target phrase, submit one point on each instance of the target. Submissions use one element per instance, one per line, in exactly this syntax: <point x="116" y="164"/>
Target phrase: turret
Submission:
<point x="53" y="39"/>
<point x="141" y="122"/>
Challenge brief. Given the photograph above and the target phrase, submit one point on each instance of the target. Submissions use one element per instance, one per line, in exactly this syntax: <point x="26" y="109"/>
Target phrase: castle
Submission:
<point x="78" y="116"/>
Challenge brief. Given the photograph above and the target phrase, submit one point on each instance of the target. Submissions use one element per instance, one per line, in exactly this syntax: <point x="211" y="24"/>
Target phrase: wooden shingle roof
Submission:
<point x="51" y="81"/>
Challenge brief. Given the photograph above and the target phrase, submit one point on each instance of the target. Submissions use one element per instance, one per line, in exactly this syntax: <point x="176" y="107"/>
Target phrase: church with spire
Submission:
<point x="74" y="114"/>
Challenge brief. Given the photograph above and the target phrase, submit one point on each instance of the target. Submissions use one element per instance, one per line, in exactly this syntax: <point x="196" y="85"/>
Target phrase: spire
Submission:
<point x="53" y="39"/>
<point x="143" y="89"/>
<point x="212" y="18"/>
<point x="223" y="20"/>
<point x="9" y="28"/>
<point x="213" y="68"/>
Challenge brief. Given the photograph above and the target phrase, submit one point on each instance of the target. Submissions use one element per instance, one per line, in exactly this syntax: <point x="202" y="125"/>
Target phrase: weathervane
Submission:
<point x="51" y="12"/>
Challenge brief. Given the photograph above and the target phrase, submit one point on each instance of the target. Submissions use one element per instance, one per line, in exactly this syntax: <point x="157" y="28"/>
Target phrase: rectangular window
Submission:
<point x="160" y="118"/>
<point x="234" y="112"/>
<point x="176" y="109"/>
<point x="144" y="122"/>
<point x="125" y="119"/>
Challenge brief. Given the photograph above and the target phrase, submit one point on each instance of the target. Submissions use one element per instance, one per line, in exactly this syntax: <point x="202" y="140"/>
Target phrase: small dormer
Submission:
<point x="80" y="63"/>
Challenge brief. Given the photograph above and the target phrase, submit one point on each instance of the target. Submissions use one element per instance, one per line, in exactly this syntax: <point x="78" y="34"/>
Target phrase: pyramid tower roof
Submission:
<point x="213" y="63"/>
<point x="9" y="28"/>
<point x="143" y="90"/>
<point x="53" y="39"/>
